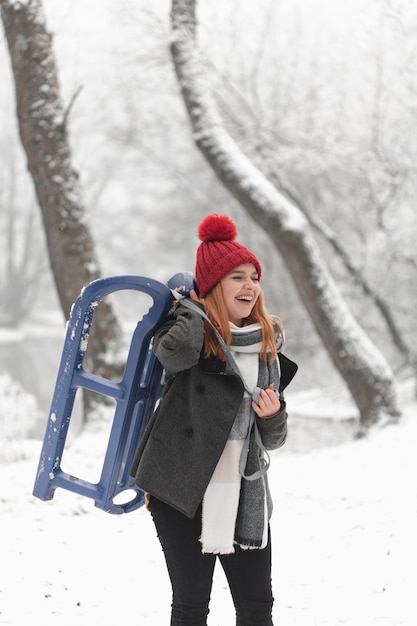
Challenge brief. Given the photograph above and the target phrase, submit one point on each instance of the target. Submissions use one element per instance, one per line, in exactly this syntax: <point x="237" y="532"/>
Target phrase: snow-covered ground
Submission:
<point x="344" y="542"/>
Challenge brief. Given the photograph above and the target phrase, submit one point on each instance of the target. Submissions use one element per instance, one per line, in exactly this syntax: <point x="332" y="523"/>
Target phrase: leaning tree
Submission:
<point x="366" y="373"/>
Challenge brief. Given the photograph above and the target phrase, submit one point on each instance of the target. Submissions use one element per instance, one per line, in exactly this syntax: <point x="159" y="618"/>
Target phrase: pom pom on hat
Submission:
<point x="217" y="228"/>
<point x="219" y="253"/>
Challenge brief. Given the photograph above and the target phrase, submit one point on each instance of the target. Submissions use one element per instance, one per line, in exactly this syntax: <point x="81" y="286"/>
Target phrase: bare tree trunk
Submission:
<point x="42" y="127"/>
<point x="363" y="368"/>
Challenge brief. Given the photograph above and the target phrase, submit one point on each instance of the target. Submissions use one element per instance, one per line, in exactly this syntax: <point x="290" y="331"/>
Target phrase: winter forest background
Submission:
<point x="321" y="97"/>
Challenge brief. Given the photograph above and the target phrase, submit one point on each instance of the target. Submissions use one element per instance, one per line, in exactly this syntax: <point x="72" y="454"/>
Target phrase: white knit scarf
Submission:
<point x="234" y="510"/>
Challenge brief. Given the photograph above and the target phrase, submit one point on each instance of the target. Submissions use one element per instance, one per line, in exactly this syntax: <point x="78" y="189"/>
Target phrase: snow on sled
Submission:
<point x="135" y="396"/>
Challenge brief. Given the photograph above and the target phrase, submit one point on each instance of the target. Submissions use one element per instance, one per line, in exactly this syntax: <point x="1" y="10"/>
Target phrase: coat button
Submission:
<point x="188" y="432"/>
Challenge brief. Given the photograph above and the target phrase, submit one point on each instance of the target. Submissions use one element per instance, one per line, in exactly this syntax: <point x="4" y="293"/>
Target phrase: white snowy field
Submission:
<point x="344" y="542"/>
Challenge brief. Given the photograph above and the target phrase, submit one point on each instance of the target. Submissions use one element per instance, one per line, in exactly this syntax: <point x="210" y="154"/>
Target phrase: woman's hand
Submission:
<point x="194" y="296"/>
<point x="268" y="404"/>
<point x="180" y="289"/>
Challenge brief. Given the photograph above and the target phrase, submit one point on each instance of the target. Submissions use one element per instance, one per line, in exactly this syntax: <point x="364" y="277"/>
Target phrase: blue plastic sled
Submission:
<point x="135" y="396"/>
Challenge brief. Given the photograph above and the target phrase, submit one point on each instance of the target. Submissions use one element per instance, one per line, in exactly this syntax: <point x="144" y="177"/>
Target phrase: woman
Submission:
<point x="209" y="495"/>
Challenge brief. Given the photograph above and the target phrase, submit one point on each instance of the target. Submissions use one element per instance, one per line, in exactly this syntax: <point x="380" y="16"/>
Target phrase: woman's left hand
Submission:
<point x="194" y="296"/>
<point x="268" y="404"/>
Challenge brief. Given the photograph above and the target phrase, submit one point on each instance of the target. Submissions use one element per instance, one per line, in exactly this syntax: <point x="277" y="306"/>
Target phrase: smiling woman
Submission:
<point x="203" y="459"/>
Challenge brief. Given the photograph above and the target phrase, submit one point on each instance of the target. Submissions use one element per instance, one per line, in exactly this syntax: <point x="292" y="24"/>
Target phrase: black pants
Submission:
<point x="248" y="572"/>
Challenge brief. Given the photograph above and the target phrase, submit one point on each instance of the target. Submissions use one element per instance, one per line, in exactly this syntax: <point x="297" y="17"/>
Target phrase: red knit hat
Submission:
<point x="219" y="253"/>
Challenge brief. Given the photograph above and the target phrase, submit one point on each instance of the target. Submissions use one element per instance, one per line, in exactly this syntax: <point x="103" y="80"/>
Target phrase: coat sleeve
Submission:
<point x="178" y="343"/>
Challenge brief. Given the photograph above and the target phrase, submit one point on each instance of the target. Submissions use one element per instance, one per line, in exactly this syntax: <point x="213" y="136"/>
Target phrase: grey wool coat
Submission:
<point x="187" y="433"/>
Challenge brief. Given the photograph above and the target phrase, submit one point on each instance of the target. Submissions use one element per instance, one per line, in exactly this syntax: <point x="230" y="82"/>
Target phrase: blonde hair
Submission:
<point x="215" y="308"/>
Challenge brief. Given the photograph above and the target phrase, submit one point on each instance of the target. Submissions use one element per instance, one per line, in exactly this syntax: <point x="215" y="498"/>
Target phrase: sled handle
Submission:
<point x="135" y="396"/>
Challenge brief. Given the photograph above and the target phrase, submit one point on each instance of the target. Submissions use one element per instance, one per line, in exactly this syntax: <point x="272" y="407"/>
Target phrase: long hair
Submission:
<point x="215" y="308"/>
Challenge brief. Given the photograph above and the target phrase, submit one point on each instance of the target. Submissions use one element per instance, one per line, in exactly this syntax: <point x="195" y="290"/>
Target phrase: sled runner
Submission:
<point x="135" y="396"/>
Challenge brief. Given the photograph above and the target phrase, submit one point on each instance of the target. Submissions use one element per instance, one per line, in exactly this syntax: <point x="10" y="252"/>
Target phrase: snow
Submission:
<point x="344" y="523"/>
<point x="18" y="410"/>
<point x="344" y="547"/>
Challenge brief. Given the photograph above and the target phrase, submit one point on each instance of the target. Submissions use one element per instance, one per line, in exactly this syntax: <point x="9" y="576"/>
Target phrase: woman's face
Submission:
<point x="240" y="291"/>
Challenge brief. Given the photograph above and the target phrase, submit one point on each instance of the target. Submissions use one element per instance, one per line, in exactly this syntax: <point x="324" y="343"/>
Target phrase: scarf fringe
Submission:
<point x="217" y="550"/>
<point x="248" y="544"/>
<point x="240" y="543"/>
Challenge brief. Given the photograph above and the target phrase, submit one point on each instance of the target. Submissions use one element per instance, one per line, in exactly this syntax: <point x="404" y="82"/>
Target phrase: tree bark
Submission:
<point x="43" y="133"/>
<point x="366" y="373"/>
